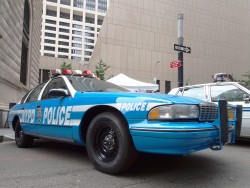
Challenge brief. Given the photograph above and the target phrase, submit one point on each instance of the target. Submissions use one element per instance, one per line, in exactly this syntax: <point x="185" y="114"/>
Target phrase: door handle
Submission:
<point x="38" y="106"/>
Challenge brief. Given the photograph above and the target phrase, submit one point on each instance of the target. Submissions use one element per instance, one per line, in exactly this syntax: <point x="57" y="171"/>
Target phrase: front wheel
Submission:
<point x="109" y="143"/>
<point x="22" y="140"/>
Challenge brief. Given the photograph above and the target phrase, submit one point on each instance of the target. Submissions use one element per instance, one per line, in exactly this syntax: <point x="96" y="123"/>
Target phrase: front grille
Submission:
<point x="208" y="112"/>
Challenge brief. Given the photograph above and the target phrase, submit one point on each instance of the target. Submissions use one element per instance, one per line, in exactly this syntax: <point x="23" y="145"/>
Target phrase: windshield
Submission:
<point x="93" y="85"/>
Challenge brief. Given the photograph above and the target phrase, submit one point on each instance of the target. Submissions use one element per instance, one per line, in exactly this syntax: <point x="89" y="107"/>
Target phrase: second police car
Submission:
<point x="115" y="124"/>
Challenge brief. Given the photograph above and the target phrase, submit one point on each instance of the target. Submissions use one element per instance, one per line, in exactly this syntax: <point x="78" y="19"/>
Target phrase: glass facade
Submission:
<point x="65" y="23"/>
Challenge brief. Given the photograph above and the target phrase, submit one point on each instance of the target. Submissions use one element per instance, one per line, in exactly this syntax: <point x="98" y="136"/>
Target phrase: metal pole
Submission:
<point x="154" y="75"/>
<point x="180" y="54"/>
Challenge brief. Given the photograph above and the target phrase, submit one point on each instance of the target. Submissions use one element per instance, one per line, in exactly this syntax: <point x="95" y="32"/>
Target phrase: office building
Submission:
<point x="20" y="35"/>
<point x="70" y="29"/>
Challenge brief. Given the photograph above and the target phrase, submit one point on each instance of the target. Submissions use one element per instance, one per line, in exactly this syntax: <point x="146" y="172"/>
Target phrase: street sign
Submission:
<point x="181" y="48"/>
<point x="175" y="64"/>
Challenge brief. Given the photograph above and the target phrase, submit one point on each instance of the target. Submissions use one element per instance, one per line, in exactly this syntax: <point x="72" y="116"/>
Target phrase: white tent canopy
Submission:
<point x="132" y="84"/>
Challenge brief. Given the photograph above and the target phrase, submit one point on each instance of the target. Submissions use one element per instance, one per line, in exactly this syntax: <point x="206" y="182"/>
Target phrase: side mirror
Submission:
<point x="246" y="98"/>
<point x="58" y="93"/>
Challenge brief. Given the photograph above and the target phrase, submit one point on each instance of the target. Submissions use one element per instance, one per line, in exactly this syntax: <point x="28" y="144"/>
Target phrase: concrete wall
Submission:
<point x="135" y="34"/>
<point x="11" y="26"/>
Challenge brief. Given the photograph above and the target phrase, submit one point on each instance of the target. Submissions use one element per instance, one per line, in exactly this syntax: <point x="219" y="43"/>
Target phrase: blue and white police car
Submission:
<point x="115" y="124"/>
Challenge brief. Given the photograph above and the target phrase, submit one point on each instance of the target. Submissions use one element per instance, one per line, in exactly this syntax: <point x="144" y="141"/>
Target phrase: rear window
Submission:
<point x="83" y="84"/>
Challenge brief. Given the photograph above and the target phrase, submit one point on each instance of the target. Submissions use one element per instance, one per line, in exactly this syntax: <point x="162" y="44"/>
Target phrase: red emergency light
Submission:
<point x="67" y="72"/>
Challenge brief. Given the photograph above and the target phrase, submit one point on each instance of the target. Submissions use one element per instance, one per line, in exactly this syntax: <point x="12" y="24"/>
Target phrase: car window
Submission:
<point x="57" y="83"/>
<point x="195" y="92"/>
<point x="227" y="92"/>
<point x="35" y="93"/>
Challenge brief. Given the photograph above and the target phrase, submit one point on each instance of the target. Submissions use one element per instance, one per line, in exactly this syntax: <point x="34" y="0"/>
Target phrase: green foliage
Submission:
<point x="66" y="66"/>
<point x="100" y="69"/>
<point x="246" y="82"/>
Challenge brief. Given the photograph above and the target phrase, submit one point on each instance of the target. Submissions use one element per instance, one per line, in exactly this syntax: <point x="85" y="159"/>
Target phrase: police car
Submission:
<point x="233" y="92"/>
<point x="115" y="124"/>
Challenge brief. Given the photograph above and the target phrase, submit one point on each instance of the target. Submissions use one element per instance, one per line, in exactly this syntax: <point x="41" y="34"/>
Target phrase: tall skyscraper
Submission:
<point x="70" y="27"/>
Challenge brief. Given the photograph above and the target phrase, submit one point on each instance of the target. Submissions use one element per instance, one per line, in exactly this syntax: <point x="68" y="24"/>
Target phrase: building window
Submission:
<point x="76" y="45"/>
<point x="88" y="47"/>
<point x="65" y="2"/>
<point x="98" y="29"/>
<point x="64" y="15"/>
<point x="64" y="50"/>
<point x="76" y="51"/>
<point x="51" y="12"/>
<point x="89" y="28"/>
<point x="63" y="30"/>
<point x="78" y="3"/>
<point x="102" y="6"/>
<point x="50" y="35"/>
<point x="86" y="59"/>
<point x="87" y="53"/>
<point x="77" y="39"/>
<point x="76" y="58"/>
<point x="99" y="22"/>
<point x="76" y="32"/>
<point x="63" y="37"/>
<point x="77" y="18"/>
<point x="53" y="1"/>
<point x="89" y="40"/>
<point x="44" y="75"/>
<point x="90" y="20"/>
<point x="50" y="21"/>
<point x="50" y="28"/>
<point x="77" y="26"/>
<point x="64" y="24"/>
<point x="49" y="41"/>
<point x="25" y="43"/>
<point x="63" y="43"/>
<point x="63" y="56"/>
<point x="89" y="34"/>
<point x="49" y="55"/>
<point x="90" y="5"/>
<point x="49" y="48"/>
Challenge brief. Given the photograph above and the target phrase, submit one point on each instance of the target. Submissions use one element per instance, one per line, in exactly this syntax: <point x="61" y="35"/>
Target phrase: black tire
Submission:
<point x="109" y="143"/>
<point x="22" y="140"/>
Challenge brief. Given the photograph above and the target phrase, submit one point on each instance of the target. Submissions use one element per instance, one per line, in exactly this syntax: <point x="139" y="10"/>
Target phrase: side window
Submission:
<point x="35" y="93"/>
<point x="196" y="92"/>
<point x="227" y="92"/>
<point x="57" y="83"/>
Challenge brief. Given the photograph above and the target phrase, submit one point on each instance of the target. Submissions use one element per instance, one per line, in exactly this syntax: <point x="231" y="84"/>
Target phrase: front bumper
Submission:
<point x="178" y="141"/>
<point x="182" y="137"/>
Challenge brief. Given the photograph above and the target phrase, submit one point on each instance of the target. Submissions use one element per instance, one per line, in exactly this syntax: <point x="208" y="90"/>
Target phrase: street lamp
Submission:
<point x="154" y="74"/>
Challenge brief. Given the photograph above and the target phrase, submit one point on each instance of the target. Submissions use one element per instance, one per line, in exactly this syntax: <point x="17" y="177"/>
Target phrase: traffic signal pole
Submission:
<point x="180" y="54"/>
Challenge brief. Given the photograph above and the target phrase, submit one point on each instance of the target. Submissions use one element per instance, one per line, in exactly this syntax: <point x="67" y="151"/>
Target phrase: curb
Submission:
<point x="6" y="138"/>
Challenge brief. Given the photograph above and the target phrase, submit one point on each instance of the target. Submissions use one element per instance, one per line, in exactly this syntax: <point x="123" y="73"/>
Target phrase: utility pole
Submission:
<point x="180" y="53"/>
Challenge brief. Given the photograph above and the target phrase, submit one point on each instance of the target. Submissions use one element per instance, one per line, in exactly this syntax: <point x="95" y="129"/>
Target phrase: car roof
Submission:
<point x="213" y="83"/>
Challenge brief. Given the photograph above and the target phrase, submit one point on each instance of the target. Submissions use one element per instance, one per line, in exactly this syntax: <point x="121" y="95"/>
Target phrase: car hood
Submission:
<point x="126" y="96"/>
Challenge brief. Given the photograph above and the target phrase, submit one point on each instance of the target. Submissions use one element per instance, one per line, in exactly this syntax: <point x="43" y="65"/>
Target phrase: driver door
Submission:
<point x="54" y="118"/>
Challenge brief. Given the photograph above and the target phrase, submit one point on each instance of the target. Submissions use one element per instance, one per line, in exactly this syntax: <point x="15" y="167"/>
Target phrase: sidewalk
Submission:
<point x="6" y="134"/>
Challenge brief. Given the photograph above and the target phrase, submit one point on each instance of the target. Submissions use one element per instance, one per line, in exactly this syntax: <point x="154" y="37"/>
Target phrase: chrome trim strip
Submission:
<point x="173" y="130"/>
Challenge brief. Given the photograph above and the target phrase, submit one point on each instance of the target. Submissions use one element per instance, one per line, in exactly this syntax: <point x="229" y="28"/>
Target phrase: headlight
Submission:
<point x="171" y="112"/>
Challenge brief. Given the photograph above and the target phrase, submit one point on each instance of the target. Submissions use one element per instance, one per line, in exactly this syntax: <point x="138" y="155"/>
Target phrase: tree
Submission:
<point x="247" y="81"/>
<point x="65" y="66"/>
<point x="100" y="69"/>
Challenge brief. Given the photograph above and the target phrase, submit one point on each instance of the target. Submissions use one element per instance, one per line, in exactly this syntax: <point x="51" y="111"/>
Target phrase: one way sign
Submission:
<point x="181" y="48"/>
